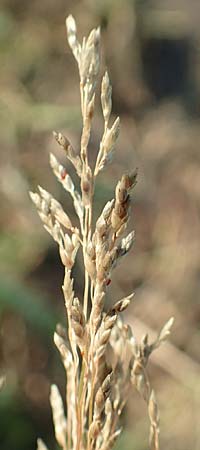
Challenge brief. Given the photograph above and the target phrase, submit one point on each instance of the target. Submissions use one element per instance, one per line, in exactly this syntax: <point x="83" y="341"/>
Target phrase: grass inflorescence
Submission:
<point x="97" y="387"/>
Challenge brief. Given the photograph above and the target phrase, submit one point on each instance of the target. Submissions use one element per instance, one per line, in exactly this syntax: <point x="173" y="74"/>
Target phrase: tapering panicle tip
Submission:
<point x="118" y="432"/>
<point x="54" y="394"/>
<point x="52" y="159"/>
<point x="98" y="34"/>
<point x="116" y="125"/>
<point x="166" y="330"/>
<point x="55" y="134"/>
<point x="131" y="296"/>
<point x="34" y="197"/>
<point x="106" y="75"/>
<point x="55" y="336"/>
<point x="106" y="84"/>
<point x="70" y="24"/>
<point x="171" y="321"/>
<point x="125" y="304"/>
<point x="41" y="189"/>
<point x="31" y="194"/>
<point x="41" y="445"/>
<point x="44" y="194"/>
<point x="121" y="305"/>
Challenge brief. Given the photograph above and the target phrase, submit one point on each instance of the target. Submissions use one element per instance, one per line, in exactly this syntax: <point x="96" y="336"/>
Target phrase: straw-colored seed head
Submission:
<point x="101" y="357"/>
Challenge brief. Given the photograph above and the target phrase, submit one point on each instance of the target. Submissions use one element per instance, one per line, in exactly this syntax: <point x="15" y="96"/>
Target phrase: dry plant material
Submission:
<point x="2" y="382"/>
<point x="96" y="390"/>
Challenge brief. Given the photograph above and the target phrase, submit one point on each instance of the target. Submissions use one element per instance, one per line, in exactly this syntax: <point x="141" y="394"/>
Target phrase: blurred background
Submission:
<point x="152" y="52"/>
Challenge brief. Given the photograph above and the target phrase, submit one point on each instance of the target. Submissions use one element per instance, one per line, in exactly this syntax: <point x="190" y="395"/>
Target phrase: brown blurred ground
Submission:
<point x="151" y="50"/>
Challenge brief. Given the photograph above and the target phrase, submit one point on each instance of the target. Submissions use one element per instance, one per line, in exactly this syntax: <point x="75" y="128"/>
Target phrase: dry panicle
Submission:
<point x="101" y="357"/>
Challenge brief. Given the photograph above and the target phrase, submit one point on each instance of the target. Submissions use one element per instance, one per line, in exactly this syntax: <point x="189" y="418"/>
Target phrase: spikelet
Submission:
<point x="60" y="422"/>
<point x="112" y="439"/>
<point x="41" y="445"/>
<point x="72" y="39"/>
<point x="64" y="178"/>
<point x="107" y="146"/>
<point x="106" y="98"/>
<point x="69" y="151"/>
<point x="64" y="351"/>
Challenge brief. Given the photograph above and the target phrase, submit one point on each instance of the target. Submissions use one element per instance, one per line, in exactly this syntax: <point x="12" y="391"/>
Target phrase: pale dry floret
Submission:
<point x="69" y="151"/>
<point x="106" y="98"/>
<point x="107" y="146"/>
<point x="64" y="178"/>
<point x="41" y="445"/>
<point x="101" y="357"/>
<point x="59" y="419"/>
<point x="66" y="355"/>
